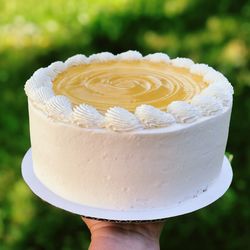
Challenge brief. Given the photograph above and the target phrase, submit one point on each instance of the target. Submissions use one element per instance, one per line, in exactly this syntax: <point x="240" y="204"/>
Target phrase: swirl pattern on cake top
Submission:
<point x="127" y="84"/>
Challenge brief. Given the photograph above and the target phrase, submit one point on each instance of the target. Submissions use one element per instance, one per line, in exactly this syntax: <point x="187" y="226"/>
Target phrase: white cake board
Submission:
<point x="213" y="193"/>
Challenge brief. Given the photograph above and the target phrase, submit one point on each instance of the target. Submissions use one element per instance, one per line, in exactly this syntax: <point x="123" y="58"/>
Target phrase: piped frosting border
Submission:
<point x="212" y="101"/>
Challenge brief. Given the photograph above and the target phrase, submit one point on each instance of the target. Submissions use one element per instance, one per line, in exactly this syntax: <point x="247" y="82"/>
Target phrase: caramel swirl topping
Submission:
<point x="127" y="84"/>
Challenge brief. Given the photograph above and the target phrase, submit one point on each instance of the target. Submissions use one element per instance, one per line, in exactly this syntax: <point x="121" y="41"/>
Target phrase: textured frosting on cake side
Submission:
<point x="134" y="170"/>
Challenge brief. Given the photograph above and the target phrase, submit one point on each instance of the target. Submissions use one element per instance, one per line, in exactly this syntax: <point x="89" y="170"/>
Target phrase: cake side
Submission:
<point x="133" y="170"/>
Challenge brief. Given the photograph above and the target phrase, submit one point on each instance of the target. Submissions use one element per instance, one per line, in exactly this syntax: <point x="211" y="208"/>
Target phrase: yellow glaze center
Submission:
<point x="127" y="84"/>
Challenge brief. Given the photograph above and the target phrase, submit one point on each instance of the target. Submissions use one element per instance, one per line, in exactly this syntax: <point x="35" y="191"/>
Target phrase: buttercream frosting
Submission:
<point x="129" y="55"/>
<point x="57" y="67"/>
<point x="184" y="112"/>
<point x="41" y="73"/>
<point x="120" y="119"/>
<point x="76" y="60"/>
<point x="208" y="105"/>
<point x="158" y="57"/>
<point x="225" y="97"/>
<point x="213" y="76"/>
<point x="200" y="69"/>
<point x="58" y="108"/>
<point x="182" y="62"/>
<point x="36" y="82"/>
<point x="43" y="94"/>
<point x="152" y="117"/>
<point x="222" y="86"/>
<point x="156" y="168"/>
<point x="101" y="57"/>
<point x="87" y="116"/>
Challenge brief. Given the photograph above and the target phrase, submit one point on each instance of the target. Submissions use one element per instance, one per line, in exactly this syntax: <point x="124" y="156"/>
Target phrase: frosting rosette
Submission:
<point x="184" y="112"/>
<point x="182" y="62"/>
<point x="208" y="105"/>
<point x="58" y="107"/>
<point x="87" y="116"/>
<point x="36" y="82"/>
<point x="76" y="60"/>
<point x="152" y="117"/>
<point x="119" y="119"/>
<point x="43" y="94"/>
<point x="57" y="67"/>
<point x="158" y="57"/>
<point x="101" y="57"/>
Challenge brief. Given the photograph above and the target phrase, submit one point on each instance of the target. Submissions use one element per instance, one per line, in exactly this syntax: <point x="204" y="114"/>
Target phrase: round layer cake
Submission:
<point x="128" y="132"/>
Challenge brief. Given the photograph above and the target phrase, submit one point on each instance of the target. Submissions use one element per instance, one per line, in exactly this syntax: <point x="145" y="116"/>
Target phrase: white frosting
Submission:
<point x="142" y="169"/>
<point x="158" y="57"/>
<point x="58" y="107"/>
<point x="200" y="69"/>
<point x="43" y="94"/>
<point x="208" y="105"/>
<point x="76" y="60"/>
<point x="182" y="62"/>
<point x="152" y="117"/>
<point x="119" y="119"/>
<point x="101" y="57"/>
<point x="43" y="73"/>
<point x="225" y="97"/>
<point x="87" y="116"/>
<point x="222" y="86"/>
<point x="213" y="76"/>
<point x="184" y="112"/>
<point x="129" y="55"/>
<point x="36" y="82"/>
<point x="57" y="67"/>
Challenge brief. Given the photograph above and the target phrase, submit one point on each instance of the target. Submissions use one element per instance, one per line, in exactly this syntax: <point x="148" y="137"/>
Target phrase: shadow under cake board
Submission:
<point x="214" y="192"/>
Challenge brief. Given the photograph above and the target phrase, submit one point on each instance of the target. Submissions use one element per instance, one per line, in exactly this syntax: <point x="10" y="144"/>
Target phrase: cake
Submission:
<point x="128" y="132"/>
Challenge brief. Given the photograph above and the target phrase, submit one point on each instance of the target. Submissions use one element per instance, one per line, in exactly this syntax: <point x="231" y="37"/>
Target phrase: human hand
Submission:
<point x="123" y="236"/>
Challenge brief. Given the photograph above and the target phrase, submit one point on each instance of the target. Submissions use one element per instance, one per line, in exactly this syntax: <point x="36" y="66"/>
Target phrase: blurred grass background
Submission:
<point x="35" y="33"/>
